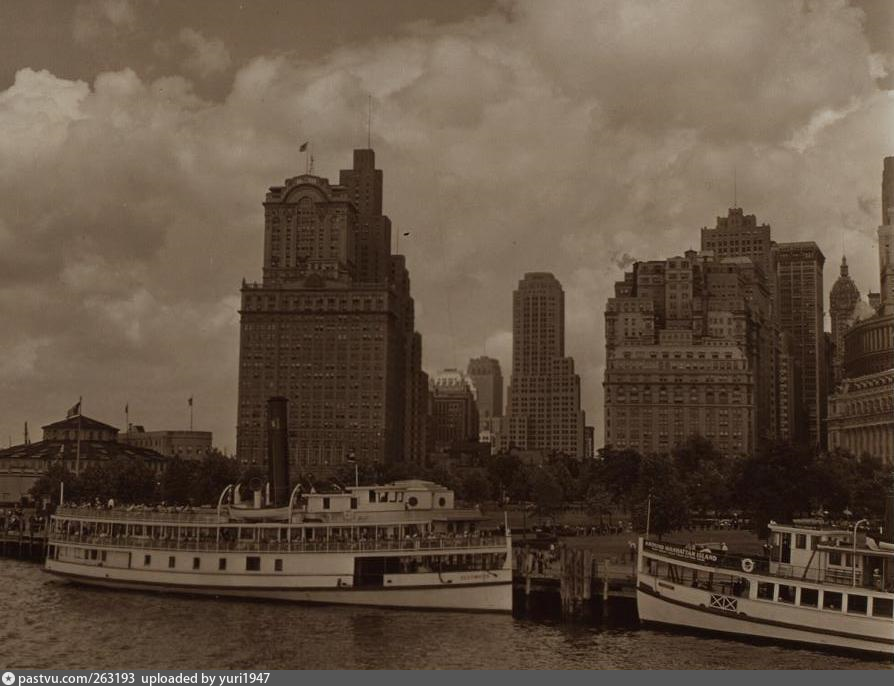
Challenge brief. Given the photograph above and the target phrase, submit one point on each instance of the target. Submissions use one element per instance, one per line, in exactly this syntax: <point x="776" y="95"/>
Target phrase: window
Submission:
<point x="857" y="604"/>
<point x="222" y="564"/>
<point x="835" y="559"/>
<point x="765" y="590"/>
<point x="277" y="565"/>
<point x="103" y="555"/>
<point x="786" y="594"/>
<point x="252" y="564"/>
<point x="353" y="503"/>
<point x="801" y="541"/>
<point x="196" y="562"/>
<point x="412" y="501"/>
<point x="809" y="597"/>
<point x="172" y="561"/>
<point x="882" y="607"/>
<point x="372" y="496"/>
<point x="831" y="600"/>
<point x="147" y="560"/>
<point x="325" y="503"/>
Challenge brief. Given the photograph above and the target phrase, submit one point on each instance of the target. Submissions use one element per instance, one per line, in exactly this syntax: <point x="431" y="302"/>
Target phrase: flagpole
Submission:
<point x="78" y="455"/>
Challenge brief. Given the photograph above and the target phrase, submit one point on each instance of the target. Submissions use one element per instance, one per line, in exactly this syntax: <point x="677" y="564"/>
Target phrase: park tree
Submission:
<point x="178" y="483"/>
<point x="545" y="490"/>
<point x="475" y="486"/>
<point x="214" y="473"/>
<point x="47" y="486"/>
<point x="705" y="473"/>
<point x="619" y="471"/>
<point x="659" y="498"/>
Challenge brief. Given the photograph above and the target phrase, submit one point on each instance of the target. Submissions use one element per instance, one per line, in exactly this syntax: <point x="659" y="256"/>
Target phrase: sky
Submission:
<point x="137" y="141"/>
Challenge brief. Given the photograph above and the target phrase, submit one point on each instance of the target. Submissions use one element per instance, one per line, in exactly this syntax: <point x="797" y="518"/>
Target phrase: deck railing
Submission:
<point x="361" y="546"/>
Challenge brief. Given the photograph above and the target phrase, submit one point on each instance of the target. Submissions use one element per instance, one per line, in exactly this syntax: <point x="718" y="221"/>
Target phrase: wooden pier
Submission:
<point x="574" y="584"/>
<point x="23" y="545"/>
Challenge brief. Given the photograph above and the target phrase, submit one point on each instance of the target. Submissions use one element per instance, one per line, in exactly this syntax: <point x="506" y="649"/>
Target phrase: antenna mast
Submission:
<point x="369" y="116"/>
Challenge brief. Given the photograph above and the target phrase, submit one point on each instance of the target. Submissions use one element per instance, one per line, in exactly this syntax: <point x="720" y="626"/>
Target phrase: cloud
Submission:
<point x="565" y="137"/>
<point x="207" y="56"/>
<point x="93" y="18"/>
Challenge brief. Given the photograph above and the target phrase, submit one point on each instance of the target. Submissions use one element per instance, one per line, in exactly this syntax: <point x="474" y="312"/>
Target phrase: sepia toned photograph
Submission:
<point x="429" y="335"/>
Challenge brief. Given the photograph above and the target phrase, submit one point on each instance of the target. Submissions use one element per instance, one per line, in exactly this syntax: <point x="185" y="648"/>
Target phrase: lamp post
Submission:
<point x="649" y="515"/>
<point x="854" y="552"/>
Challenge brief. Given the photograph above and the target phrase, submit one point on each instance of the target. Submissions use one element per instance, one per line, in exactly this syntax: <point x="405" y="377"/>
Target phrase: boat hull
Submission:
<point x="658" y="608"/>
<point x="492" y="592"/>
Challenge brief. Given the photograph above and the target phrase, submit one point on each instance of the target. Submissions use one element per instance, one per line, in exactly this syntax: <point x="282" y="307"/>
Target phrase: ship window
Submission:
<point x="442" y="502"/>
<point x="372" y="496"/>
<point x="222" y="564"/>
<point x="835" y="559"/>
<point x="801" y="541"/>
<point x="831" y="600"/>
<point x="786" y="594"/>
<point x="196" y="562"/>
<point x="172" y="561"/>
<point x="882" y="607"/>
<point x="413" y="501"/>
<point x="277" y="565"/>
<point x="765" y="590"/>
<point x="353" y="503"/>
<point x="325" y="503"/>
<point x="857" y="604"/>
<point x="809" y="597"/>
<point x="252" y="564"/>
<point x="147" y="560"/>
<point x="103" y="555"/>
<point x="93" y="554"/>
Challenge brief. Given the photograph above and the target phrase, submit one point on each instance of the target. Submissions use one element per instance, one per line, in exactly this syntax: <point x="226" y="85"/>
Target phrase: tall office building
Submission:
<point x="799" y="306"/>
<point x="683" y="354"/>
<point x="544" y="392"/>
<point x="843" y="299"/>
<point x="454" y="412"/>
<point x="331" y="328"/>
<point x="487" y="378"/>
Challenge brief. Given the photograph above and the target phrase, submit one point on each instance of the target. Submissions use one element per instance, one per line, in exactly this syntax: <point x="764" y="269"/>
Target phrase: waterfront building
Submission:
<point x="187" y="445"/>
<point x="843" y="299"/>
<point x="331" y="328"/>
<point x="454" y="410"/>
<point x="799" y="306"/>
<point x="78" y="443"/>
<point x="487" y="378"/>
<point x="544" y="391"/>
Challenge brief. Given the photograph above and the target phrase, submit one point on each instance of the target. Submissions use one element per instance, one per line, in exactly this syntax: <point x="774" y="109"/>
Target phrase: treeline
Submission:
<point x="692" y="481"/>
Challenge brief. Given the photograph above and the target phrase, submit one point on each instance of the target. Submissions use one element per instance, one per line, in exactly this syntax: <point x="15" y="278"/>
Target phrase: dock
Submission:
<point x="23" y="545"/>
<point x="574" y="584"/>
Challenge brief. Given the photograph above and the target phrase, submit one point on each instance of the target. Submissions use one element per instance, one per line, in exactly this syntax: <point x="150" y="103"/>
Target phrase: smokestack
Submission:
<point x="278" y="450"/>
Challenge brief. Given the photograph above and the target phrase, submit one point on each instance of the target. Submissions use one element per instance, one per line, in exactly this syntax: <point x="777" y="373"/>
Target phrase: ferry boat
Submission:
<point x="818" y="585"/>
<point x="402" y="544"/>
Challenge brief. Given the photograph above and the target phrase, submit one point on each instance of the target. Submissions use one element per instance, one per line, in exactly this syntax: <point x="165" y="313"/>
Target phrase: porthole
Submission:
<point x="442" y="501"/>
<point x="412" y="501"/>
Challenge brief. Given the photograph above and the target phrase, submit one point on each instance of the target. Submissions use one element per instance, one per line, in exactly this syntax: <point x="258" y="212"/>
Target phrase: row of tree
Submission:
<point x="780" y="482"/>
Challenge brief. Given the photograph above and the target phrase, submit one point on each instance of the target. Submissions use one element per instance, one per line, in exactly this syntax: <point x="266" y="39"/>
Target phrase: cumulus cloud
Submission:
<point x="94" y="18"/>
<point x="207" y="56"/>
<point x="565" y="137"/>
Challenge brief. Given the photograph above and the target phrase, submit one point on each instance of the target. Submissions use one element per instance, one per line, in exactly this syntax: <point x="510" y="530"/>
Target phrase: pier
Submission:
<point x="23" y="545"/>
<point x="574" y="584"/>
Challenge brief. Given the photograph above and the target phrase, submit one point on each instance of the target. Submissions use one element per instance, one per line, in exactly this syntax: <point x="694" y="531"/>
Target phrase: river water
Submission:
<point x="46" y="623"/>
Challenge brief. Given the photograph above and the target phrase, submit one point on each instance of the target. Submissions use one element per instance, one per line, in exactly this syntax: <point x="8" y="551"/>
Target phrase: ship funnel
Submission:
<point x="278" y="451"/>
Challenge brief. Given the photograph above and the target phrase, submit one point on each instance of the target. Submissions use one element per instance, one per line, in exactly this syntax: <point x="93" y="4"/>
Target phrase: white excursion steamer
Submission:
<point x="817" y="586"/>
<point x="399" y="545"/>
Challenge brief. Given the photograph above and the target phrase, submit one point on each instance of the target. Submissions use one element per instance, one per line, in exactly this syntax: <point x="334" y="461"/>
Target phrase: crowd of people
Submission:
<point x="18" y="522"/>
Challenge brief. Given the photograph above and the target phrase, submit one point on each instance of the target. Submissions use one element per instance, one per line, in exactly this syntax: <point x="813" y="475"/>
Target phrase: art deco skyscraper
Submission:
<point x="842" y="299"/>
<point x="544" y="392"/>
<point x="487" y="377"/>
<point x="331" y="328"/>
<point x="799" y="305"/>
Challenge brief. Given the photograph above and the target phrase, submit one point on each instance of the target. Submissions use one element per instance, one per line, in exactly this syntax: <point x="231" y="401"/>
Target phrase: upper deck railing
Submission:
<point x="432" y="543"/>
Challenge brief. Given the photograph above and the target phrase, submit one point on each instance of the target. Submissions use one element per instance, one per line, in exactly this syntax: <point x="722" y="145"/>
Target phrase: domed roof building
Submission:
<point x="843" y="298"/>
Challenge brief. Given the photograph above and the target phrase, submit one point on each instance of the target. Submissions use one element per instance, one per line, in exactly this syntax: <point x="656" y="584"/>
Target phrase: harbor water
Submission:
<point x="50" y="624"/>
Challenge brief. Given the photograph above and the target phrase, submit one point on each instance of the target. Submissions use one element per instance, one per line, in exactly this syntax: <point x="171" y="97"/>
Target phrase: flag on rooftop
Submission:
<point x="303" y="147"/>
<point x="74" y="411"/>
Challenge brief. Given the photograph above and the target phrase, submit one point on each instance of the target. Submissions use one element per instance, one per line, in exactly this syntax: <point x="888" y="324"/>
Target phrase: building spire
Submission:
<point x="844" y="269"/>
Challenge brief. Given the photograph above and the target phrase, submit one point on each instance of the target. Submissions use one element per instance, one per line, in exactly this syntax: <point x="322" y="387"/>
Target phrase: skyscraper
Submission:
<point x="681" y="354"/>
<point x="454" y="413"/>
<point x="330" y="327"/>
<point x="487" y="378"/>
<point x="544" y="392"/>
<point x="800" y="297"/>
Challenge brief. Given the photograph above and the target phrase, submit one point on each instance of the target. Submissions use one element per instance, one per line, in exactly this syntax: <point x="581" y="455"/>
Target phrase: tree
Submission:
<point x="659" y="496"/>
<point x="619" y="472"/>
<point x="705" y="473"/>
<point x="213" y="474"/>
<point x="546" y="491"/>
<point x="178" y="484"/>
<point x="599" y="501"/>
<point x="47" y="485"/>
<point x="475" y="486"/>
<point x="777" y="483"/>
